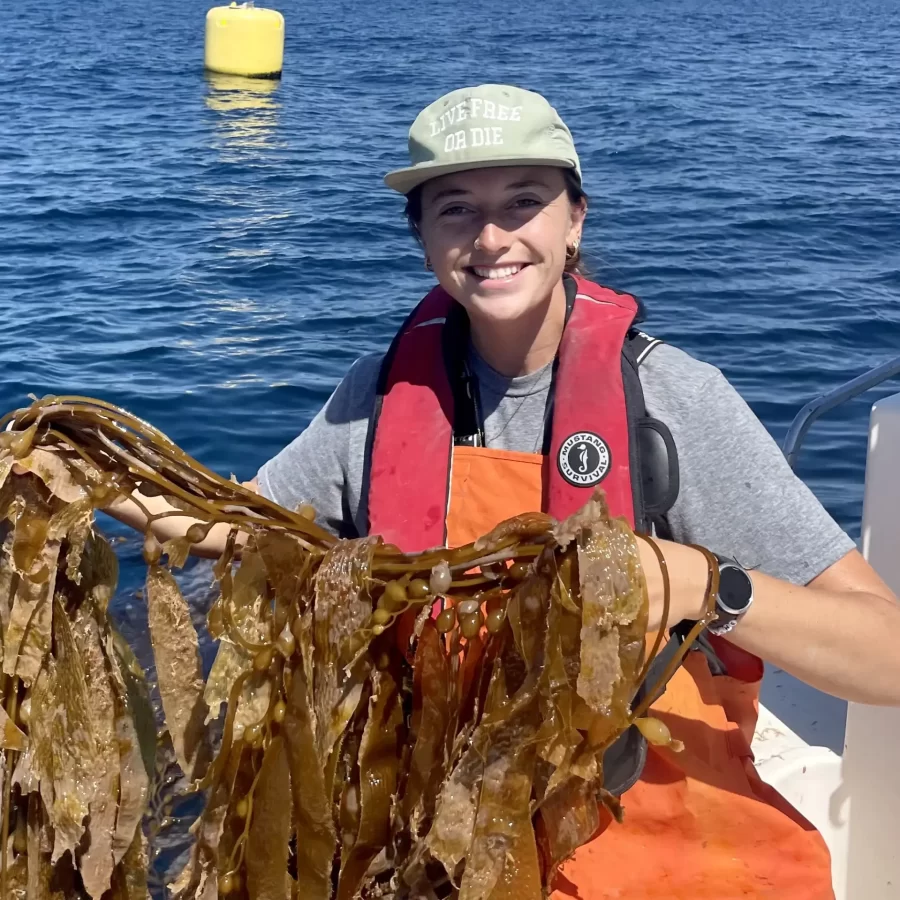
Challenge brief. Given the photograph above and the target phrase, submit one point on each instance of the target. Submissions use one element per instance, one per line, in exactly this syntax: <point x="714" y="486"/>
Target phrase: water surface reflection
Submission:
<point x="247" y="110"/>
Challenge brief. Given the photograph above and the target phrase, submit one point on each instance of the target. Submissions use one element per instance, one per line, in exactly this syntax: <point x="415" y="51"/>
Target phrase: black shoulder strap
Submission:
<point x="641" y="345"/>
<point x="655" y="472"/>
<point x="654" y="457"/>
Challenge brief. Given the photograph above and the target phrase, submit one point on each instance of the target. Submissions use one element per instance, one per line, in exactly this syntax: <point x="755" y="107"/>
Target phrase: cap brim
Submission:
<point x="404" y="180"/>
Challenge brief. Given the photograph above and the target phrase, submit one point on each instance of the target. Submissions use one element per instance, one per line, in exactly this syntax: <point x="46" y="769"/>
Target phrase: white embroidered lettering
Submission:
<point x="490" y="109"/>
<point x="462" y="113"/>
<point x="515" y="114"/>
<point x="454" y="141"/>
<point x="477" y="137"/>
<point x="475" y="107"/>
<point x="503" y="113"/>
<point x="497" y="134"/>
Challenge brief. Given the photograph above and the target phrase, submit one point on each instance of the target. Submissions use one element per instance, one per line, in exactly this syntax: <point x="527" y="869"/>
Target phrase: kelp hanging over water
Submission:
<point x="390" y="725"/>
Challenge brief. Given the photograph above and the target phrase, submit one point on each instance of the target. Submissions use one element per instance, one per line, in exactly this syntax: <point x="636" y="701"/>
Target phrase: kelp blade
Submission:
<point x="361" y="755"/>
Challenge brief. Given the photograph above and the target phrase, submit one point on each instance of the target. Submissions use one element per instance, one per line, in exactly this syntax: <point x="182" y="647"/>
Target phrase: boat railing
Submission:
<point x="804" y="419"/>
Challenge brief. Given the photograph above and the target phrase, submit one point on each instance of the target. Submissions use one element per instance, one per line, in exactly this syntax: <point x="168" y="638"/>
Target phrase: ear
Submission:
<point x="576" y="222"/>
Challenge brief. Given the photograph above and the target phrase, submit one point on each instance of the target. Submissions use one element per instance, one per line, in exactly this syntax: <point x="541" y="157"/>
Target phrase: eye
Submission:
<point x="454" y="211"/>
<point x="527" y="202"/>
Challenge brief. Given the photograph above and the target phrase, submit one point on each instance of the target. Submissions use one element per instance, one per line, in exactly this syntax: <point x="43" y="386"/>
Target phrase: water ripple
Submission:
<point x="213" y="253"/>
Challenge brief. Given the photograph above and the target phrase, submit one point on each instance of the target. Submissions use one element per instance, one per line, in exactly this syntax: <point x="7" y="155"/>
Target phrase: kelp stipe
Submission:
<point x="409" y="726"/>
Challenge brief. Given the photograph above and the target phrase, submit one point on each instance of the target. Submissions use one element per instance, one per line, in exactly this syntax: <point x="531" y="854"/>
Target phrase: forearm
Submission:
<point x="131" y="511"/>
<point x="841" y="641"/>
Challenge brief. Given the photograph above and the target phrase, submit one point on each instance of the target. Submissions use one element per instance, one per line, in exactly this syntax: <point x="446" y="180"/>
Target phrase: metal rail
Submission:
<point x="821" y="405"/>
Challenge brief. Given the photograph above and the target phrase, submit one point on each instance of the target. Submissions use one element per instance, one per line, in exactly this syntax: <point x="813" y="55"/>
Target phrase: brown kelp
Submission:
<point x="389" y="725"/>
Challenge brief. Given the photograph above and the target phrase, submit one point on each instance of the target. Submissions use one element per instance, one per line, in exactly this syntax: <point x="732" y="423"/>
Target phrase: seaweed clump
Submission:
<point x="390" y="725"/>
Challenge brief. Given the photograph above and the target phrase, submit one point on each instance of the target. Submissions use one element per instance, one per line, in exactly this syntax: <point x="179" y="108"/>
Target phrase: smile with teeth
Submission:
<point x="497" y="273"/>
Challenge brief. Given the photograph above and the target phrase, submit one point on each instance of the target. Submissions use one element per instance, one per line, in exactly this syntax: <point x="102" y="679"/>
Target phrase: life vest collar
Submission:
<point x="411" y="434"/>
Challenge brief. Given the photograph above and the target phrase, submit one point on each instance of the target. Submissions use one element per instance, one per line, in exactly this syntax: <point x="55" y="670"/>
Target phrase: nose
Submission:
<point x="492" y="239"/>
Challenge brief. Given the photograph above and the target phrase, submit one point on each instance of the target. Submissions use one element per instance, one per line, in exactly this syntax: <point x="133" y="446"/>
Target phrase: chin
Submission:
<point x="500" y="308"/>
<point x="501" y="305"/>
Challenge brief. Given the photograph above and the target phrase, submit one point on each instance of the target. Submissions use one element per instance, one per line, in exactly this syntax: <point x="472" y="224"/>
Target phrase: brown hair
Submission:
<point x="574" y="262"/>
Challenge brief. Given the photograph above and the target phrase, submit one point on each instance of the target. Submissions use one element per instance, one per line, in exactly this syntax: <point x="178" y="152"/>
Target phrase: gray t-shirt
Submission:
<point x="738" y="496"/>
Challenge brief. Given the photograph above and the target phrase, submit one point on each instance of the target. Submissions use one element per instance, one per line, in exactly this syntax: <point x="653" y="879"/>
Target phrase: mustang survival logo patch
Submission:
<point x="584" y="459"/>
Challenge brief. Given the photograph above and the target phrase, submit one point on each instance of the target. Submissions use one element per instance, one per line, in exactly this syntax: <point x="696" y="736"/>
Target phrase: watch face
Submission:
<point x="735" y="589"/>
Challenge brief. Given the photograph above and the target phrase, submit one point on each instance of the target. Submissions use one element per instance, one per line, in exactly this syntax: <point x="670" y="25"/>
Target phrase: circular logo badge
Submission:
<point x="584" y="459"/>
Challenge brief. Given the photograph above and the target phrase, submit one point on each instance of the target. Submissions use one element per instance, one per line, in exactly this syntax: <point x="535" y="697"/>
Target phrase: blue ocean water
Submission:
<point x="212" y="253"/>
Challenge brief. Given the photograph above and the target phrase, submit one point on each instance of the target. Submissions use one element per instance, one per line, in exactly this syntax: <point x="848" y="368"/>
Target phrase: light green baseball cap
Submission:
<point x="484" y="126"/>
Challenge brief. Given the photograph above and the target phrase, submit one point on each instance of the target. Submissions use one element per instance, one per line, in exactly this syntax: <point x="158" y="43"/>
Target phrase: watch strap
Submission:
<point x="727" y="618"/>
<point x="723" y="623"/>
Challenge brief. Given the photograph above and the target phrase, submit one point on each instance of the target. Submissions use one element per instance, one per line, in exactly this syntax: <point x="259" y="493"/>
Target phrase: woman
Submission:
<point x="505" y="391"/>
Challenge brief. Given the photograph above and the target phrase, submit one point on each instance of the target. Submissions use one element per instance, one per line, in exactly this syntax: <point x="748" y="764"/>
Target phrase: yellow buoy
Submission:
<point x="244" y="40"/>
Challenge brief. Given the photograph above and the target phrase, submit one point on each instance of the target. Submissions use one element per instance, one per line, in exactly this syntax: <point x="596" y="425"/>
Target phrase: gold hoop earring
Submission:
<point x="477" y="244"/>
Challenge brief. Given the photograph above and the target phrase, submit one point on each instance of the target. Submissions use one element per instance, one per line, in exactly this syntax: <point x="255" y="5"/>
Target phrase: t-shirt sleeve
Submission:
<point x="738" y="496"/>
<point x="323" y="465"/>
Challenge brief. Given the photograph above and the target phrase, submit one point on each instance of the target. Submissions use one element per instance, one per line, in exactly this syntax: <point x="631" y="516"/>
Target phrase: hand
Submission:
<point x="839" y="633"/>
<point x="688" y="577"/>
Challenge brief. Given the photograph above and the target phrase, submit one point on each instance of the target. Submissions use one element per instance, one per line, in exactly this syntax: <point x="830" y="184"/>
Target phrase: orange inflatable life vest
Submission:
<point x="700" y="823"/>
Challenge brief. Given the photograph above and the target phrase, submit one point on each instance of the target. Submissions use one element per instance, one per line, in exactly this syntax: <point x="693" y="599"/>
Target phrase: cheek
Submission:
<point x="443" y="249"/>
<point x="548" y="233"/>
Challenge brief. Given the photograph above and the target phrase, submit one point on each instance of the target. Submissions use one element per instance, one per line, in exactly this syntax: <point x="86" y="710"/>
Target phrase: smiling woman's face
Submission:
<point x="497" y="237"/>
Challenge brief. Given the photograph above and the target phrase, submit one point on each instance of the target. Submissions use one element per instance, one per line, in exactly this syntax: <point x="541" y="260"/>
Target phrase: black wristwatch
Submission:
<point x="734" y="598"/>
